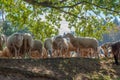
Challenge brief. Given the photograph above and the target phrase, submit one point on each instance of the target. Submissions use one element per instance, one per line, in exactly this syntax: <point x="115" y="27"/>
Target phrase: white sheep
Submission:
<point x="48" y="46"/>
<point x="83" y="42"/>
<point x="27" y="44"/>
<point x="14" y="43"/>
<point x="37" y="46"/>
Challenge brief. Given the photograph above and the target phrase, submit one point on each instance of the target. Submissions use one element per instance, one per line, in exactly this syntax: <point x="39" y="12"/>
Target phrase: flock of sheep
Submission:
<point x="21" y="45"/>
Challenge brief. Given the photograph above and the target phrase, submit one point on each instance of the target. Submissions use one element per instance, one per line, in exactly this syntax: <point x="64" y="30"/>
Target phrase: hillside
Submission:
<point x="58" y="69"/>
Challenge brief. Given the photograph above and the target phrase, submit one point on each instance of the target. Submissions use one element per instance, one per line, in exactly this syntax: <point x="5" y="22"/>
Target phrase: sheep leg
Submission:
<point x="53" y="53"/>
<point x="91" y="54"/>
<point x="29" y="53"/>
<point x="61" y="53"/>
<point x="78" y="52"/>
<point x="116" y="59"/>
<point x="56" y="53"/>
<point x="72" y="53"/>
<point x="68" y="53"/>
<point x="16" y="56"/>
<point x="50" y="53"/>
<point x="0" y="47"/>
<point x="97" y="54"/>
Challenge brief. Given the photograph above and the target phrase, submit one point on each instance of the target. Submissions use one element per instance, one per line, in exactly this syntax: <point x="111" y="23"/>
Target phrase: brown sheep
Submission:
<point x="14" y="43"/>
<point x="37" y="46"/>
<point x="116" y="51"/>
<point x="48" y="46"/>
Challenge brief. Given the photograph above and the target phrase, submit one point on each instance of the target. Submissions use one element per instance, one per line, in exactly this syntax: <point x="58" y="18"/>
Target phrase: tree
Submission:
<point x="83" y="15"/>
<point x="8" y="28"/>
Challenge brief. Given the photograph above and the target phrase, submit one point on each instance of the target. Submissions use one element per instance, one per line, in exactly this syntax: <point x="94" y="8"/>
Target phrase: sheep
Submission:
<point x="74" y="54"/>
<point x="48" y="46"/>
<point x="57" y="41"/>
<point x="83" y="42"/>
<point x="116" y="51"/>
<point x="67" y="47"/>
<point x="73" y="41"/>
<point x="14" y="43"/>
<point x="86" y="52"/>
<point x="44" y="53"/>
<point x="63" y="47"/>
<point x="1" y="53"/>
<point x="101" y="55"/>
<point x="6" y="53"/>
<point x="37" y="46"/>
<point x="106" y="48"/>
<point x="35" y="54"/>
<point x="2" y="41"/>
<point x="27" y="44"/>
<point x="86" y="42"/>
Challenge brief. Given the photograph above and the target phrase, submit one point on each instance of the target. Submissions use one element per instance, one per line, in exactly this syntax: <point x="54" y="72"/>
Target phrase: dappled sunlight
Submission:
<point x="64" y="68"/>
<point x="59" y="39"/>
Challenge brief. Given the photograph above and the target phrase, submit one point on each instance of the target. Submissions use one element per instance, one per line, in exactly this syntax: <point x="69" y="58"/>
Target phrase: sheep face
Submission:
<point x="18" y="39"/>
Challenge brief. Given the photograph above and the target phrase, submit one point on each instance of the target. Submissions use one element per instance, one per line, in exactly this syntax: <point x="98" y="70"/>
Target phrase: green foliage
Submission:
<point x="8" y="29"/>
<point x="42" y="30"/>
<point x="80" y="14"/>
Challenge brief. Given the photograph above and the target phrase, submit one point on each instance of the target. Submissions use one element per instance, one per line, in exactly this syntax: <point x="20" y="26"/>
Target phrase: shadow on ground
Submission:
<point x="58" y="69"/>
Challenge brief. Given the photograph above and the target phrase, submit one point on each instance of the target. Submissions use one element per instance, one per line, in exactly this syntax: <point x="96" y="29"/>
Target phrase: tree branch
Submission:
<point x="51" y="4"/>
<point x="44" y="3"/>
<point x="85" y="2"/>
<point x="102" y="7"/>
<point x="71" y="14"/>
<point x="60" y="8"/>
<point x="71" y="6"/>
